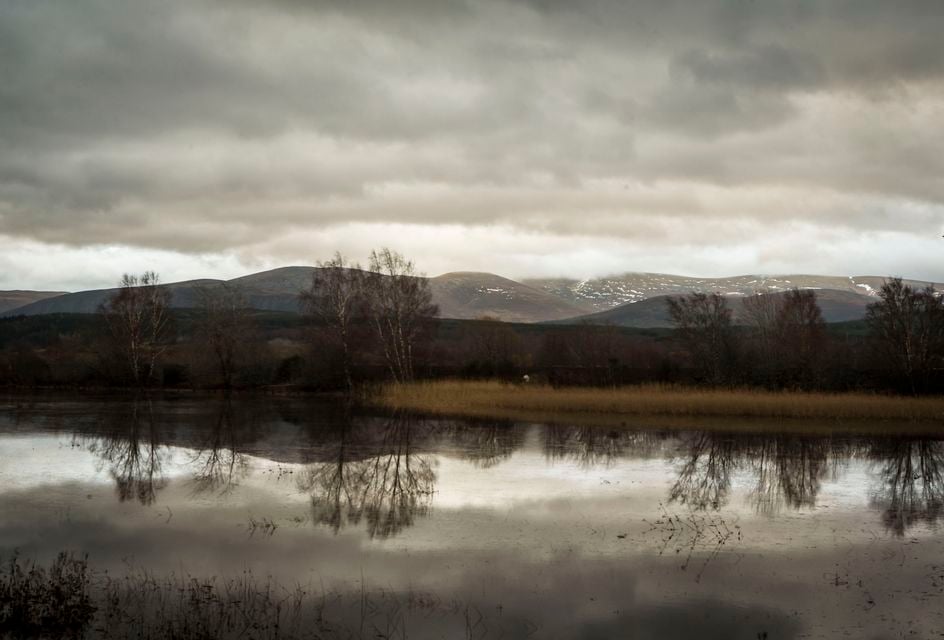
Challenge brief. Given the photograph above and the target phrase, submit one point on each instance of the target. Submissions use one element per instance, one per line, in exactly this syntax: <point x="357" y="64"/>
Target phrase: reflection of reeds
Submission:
<point x="70" y="600"/>
<point x="538" y="402"/>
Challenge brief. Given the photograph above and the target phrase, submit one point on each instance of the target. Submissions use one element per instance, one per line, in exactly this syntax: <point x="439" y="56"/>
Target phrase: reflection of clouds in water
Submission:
<point x="381" y="473"/>
<point x="527" y="517"/>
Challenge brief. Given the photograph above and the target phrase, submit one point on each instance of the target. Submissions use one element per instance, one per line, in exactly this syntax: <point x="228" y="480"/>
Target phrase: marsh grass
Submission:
<point x="41" y="602"/>
<point x="69" y="600"/>
<point x="661" y="406"/>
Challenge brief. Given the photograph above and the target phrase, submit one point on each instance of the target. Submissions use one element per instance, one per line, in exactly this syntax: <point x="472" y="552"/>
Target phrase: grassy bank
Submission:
<point x="659" y="405"/>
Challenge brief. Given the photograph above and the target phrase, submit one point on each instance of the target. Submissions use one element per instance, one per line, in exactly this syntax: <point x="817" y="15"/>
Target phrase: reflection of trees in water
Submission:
<point x="910" y="476"/>
<point x="383" y="481"/>
<point x="133" y="454"/>
<point x="704" y="478"/>
<point x="788" y="472"/>
<point x="219" y="464"/>
<point x="593" y="447"/>
<point x="379" y="471"/>
<point x="333" y="484"/>
<point x="486" y="443"/>
<point x="134" y="450"/>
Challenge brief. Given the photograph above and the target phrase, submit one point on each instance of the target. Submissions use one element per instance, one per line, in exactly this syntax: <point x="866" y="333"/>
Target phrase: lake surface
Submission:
<point x="453" y="528"/>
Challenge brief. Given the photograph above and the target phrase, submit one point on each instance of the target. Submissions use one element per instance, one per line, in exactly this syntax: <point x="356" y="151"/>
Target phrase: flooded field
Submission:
<point x="314" y="520"/>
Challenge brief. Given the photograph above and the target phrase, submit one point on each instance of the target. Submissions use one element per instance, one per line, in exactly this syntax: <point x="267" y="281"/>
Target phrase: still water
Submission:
<point x="454" y="528"/>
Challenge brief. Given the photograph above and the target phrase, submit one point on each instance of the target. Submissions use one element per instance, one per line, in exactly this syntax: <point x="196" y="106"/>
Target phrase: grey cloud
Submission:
<point x="212" y="126"/>
<point x="710" y="111"/>
<point x="770" y="67"/>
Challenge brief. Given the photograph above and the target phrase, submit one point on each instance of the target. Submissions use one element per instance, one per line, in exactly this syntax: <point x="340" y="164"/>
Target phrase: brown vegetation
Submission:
<point x="70" y="599"/>
<point x="497" y="400"/>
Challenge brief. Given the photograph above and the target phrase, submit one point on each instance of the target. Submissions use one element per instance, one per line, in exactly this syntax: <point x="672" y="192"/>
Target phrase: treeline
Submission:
<point x="374" y="324"/>
<point x="783" y="342"/>
<point x="357" y="325"/>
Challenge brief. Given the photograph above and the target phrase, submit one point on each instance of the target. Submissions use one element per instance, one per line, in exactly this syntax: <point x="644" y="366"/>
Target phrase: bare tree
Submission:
<point x="495" y="346"/>
<point x="908" y="327"/>
<point x="400" y="303"/>
<point x="704" y="324"/>
<point x="137" y="315"/>
<point x="760" y="315"/>
<point x="801" y="335"/>
<point x="789" y="334"/>
<point x="336" y="297"/>
<point x="225" y="325"/>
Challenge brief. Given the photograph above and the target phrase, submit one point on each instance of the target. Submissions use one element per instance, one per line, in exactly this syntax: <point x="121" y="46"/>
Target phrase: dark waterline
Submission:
<point x="488" y="529"/>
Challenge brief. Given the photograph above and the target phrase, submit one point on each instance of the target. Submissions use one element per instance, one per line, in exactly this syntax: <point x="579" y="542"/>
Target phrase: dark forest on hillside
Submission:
<point x="290" y="350"/>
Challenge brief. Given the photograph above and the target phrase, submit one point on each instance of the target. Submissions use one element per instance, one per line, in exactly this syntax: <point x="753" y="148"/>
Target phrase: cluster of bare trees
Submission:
<point x="704" y="326"/>
<point x="140" y="326"/>
<point x="788" y="334"/>
<point x="384" y="309"/>
<point x="907" y="326"/>
<point x="781" y="339"/>
<point x="389" y="297"/>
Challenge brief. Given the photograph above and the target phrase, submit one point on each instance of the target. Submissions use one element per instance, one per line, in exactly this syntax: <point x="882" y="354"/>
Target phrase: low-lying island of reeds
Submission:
<point x="660" y="405"/>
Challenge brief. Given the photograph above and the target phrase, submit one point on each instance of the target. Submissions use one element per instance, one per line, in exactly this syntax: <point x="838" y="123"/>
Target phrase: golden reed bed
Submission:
<point x="658" y="405"/>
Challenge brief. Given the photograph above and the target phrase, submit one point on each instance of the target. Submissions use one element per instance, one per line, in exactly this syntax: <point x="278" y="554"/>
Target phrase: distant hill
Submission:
<point x="15" y="299"/>
<point x="837" y="306"/>
<point x="470" y="295"/>
<point x="606" y="293"/>
<point x="183" y="295"/>
<point x="459" y="295"/>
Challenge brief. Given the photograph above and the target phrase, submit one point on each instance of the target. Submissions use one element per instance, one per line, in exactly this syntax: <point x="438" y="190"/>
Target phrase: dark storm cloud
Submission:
<point x="211" y="126"/>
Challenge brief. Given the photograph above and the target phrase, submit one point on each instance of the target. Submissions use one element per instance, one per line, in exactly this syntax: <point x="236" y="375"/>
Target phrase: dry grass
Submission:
<point x="663" y="406"/>
<point x="68" y="599"/>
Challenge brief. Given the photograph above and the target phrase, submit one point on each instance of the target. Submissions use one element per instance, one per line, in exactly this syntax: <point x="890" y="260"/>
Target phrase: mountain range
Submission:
<point x="632" y="299"/>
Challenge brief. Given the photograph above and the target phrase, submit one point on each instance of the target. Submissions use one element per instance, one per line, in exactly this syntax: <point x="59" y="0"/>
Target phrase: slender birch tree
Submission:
<point x="336" y="297"/>
<point x="400" y="303"/>
<point x="139" y="322"/>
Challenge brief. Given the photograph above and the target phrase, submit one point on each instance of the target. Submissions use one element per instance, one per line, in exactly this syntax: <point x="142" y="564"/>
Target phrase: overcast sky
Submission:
<point x="541" y="138"/>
